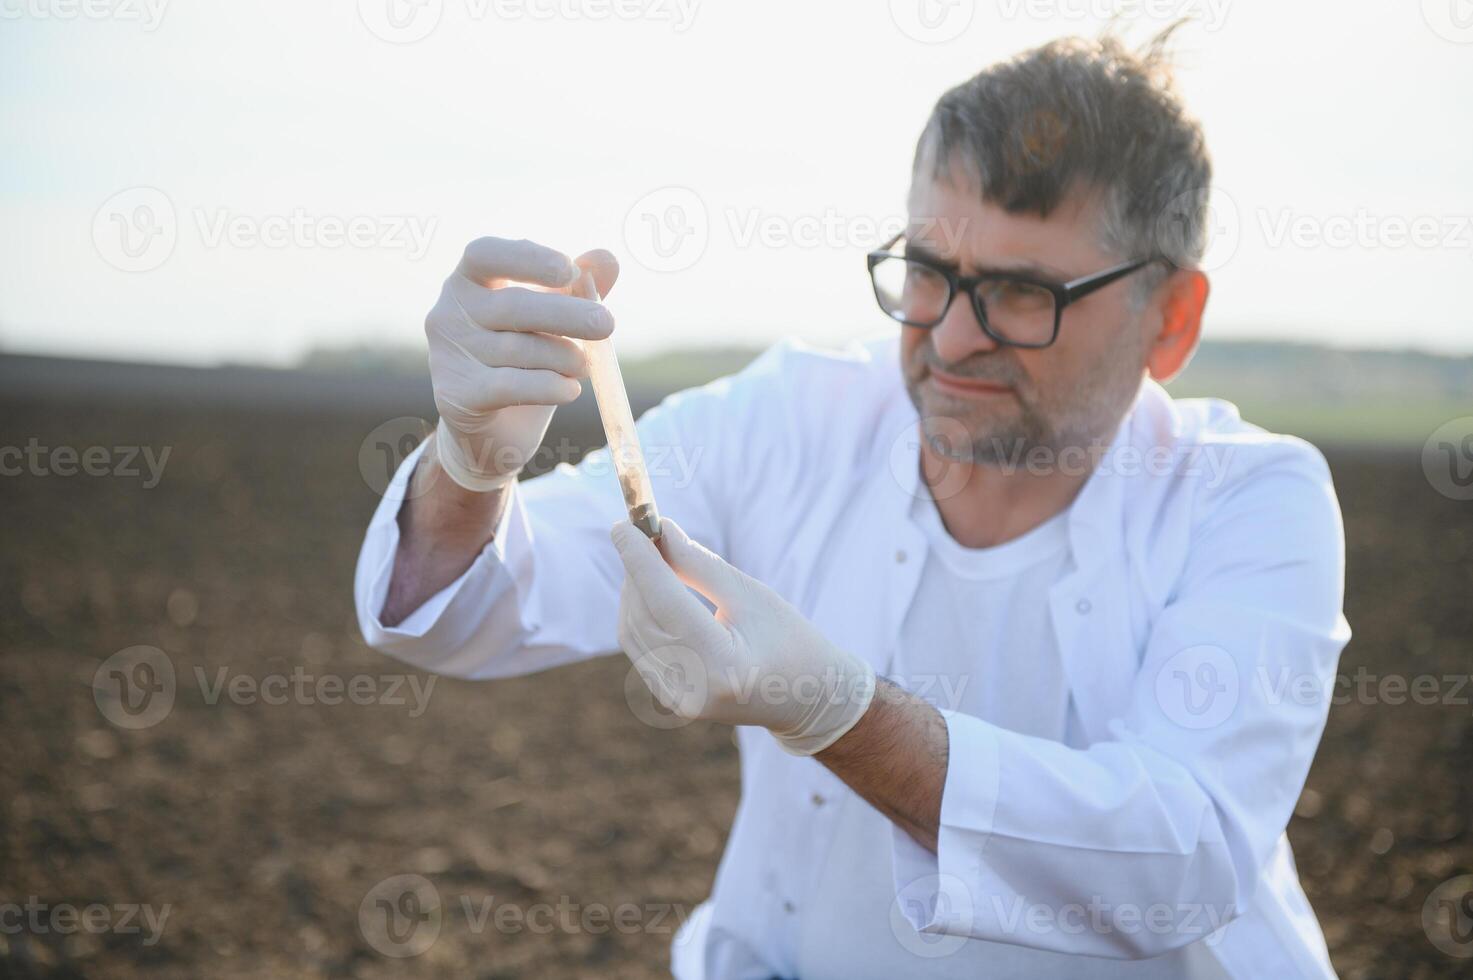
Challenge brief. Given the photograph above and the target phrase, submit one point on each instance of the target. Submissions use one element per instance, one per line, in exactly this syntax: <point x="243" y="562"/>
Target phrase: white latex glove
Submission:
<point x="501" y="357"/>
<point x="757" y="661"/>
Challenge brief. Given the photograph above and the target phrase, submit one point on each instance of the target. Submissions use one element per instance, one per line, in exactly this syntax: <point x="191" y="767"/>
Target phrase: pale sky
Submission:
<point x="199" y="181"/>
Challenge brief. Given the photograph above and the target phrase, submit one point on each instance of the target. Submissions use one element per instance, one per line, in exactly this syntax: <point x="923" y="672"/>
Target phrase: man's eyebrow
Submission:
<point x="1022" y="268"/>
<point x="916" y="250"/>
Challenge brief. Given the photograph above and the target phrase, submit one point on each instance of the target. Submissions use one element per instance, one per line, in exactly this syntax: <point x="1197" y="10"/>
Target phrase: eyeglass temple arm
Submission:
<point x="891" y="243"/>
<point x="1083" y="287"/>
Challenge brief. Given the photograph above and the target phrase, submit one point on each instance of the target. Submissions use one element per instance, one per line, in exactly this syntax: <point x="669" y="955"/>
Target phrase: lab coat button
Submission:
<point x="818" y="799"/>
<point x="788" y="907"/>
<point x="900" y="557"/>
<point x="1083" y="607"/>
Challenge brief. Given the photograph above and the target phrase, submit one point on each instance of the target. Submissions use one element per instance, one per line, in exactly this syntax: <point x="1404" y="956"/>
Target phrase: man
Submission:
<point x="1005" y="631"/>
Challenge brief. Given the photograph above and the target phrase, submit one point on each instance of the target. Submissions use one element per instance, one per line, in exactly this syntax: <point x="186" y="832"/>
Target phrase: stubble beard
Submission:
<point x="1028" y="425"/>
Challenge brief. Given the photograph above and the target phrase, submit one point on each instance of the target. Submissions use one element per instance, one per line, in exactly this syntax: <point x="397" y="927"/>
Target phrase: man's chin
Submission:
<point x="971" y="439"/>
<point x="984" y="418"/>
<point x="970" y="430"/>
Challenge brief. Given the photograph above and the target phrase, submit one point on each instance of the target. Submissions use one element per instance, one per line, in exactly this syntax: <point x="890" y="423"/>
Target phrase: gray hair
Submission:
<point x="1086" y="116"/>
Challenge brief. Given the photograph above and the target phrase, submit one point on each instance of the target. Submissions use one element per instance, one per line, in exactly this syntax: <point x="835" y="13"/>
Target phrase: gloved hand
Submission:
<point x="756" y="661"/>
<point x="501" y="360"/>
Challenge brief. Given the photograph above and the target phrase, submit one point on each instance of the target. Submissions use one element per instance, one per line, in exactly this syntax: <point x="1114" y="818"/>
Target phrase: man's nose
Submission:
<point x="959" y="335"/>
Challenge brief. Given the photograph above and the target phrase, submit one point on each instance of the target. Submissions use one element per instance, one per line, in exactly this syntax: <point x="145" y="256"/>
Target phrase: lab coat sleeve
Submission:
<point x="1155" y="838"/>
<point x="545" y="590"/>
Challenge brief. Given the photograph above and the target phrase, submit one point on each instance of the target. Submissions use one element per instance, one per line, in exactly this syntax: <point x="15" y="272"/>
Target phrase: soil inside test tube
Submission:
<point x="644" y="517"/>
<point x="618" y="423"/>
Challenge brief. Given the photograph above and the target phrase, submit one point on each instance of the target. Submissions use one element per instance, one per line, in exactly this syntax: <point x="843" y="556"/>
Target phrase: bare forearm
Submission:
<point x="442" y="528"/>
<point x="896" y="757"/>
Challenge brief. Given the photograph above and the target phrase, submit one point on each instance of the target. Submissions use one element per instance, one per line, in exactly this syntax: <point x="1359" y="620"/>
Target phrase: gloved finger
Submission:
<point x="519" y="308"/>
<point x="603" y="265"/>
<point x="702" y="569"/>
<point x="523" y="349"/>
<point x="639" y="632"/>
<point x="492" y="261"/>
<point x="583" y="287"/>
<point x="487" y="389"/>
<point x="677" y="612"/>
<point x="671" y="668"/>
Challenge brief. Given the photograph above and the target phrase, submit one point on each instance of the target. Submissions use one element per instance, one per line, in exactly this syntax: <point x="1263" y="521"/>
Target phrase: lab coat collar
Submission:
<point x="1089" y="607"/>
<point x="1095" y="516"/>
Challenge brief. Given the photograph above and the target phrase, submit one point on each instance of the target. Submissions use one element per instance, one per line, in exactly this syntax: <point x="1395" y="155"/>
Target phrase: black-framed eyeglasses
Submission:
<point x="1014" y="309"/>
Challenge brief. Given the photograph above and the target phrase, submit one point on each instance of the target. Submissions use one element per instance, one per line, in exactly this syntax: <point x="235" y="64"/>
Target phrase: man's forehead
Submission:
<point x="946" y="217"/>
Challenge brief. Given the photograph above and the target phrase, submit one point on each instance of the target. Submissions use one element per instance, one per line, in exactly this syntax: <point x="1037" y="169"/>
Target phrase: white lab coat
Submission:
<point x="1207" y="586"/>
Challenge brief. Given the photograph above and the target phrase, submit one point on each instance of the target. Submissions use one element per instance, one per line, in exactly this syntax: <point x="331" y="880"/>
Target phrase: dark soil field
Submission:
<point x="263" y="829"/>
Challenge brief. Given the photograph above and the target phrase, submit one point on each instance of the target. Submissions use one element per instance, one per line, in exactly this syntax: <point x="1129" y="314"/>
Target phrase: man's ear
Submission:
<point x="1182" y="296"/>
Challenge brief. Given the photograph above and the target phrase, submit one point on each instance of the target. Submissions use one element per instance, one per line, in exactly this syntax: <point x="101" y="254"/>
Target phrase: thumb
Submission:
<point x="700" y="568"/>
<point x="671" y="605"/>
<point x="604" y="268"/>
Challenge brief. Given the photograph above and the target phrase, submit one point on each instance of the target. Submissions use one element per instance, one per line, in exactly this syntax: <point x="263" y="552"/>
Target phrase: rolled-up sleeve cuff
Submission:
<point x="937" y="893"/>
<point x="505" y="563"/>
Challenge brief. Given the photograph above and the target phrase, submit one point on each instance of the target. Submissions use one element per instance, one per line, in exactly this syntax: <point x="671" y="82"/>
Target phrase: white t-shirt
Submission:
<point x="977" y="639"/>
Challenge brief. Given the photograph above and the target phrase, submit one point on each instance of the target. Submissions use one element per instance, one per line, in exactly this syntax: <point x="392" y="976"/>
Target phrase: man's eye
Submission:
<point x="1017" y="295"/>
<point x="919" y="277"/>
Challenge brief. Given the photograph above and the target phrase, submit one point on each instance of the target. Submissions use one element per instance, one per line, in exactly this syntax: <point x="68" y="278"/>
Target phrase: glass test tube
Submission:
<point x="618" y="421"/>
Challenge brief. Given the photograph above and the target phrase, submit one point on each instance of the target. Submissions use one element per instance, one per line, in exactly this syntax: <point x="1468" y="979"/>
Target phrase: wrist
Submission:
<point x="459" y="463"/>
<point x="842" y="700"/>
<point x="448" y="509"/>
<point x="442" y="528"/>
